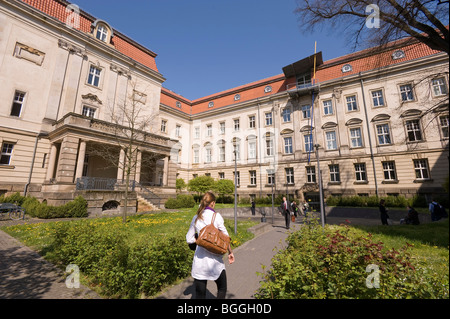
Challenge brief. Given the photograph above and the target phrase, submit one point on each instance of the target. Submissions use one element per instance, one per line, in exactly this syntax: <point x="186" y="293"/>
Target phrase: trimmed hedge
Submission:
<point x="34" y="208"/>
<point x="373" y="201"/>
<point x="181" y="201"/>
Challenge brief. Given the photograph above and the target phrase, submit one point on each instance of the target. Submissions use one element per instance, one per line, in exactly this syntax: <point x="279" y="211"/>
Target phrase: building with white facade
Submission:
<point x="377" y="119"/>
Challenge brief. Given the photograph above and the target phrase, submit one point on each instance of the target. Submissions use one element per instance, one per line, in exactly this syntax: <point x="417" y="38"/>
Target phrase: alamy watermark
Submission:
<point x="373" y="279"/>
<point x="73" y="279"/>
<point x="373" y="18"/>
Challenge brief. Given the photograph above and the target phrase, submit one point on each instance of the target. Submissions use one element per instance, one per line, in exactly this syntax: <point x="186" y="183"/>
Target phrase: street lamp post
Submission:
<point x="322" y="209"/>
<point x="235" y="190"/>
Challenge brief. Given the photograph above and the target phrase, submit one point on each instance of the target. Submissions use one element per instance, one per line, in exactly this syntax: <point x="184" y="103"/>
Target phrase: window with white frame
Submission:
<point x="330" y="138"/>
<point x="351" y="103"/>
<point x="389" y="171"/>
<point x="421" y="169"/>
<point x="222" y="127"/>
<point x="251" y="148"/>
<point x="383" y="134"/>
<point x="310" y="174"/>
<point x="327" y="107"/>
<point x="237" y="178"/>
<point x="377" y="98"/>
<point x="178" y="130"/>
<point x="355" y="137"/>
<point x="413" y="130"/>
<point x="94" y="76"/>
<point x="163" y="126"/>
<point x="439" y="86"/>
<point x="102" y="33"/>
<point x="269" y="118"/>
<point x="444" y="123"/>
<point x="306" y="111"/>
<point x="252" y="121"/>
<point x="18" y="102"/>
<point x="288" y="145"/>
<point x="6" y="154"/>
<point x="236" y="125"/>
<point x="334" y="173"/>
<point x="406" y="92"/>
<point x="197" y="132"/>
<point x="286" y="113"/>
<point x="289" y="175"/>
<point x="88" y="111"/>
<point x="360" y="172"/>
<point x="237" y="150"/>
<point x="222" y="152"/>
<point x="221" y="175"/>
<point x="309" y="147"/>
<point x="269" y="145"/>
<point x="270" y="178"/>
<point x="209" y="130"/>
<point x="253" y="178"/>
<point x="196" y="156"/>
<point x="208" y="153"/>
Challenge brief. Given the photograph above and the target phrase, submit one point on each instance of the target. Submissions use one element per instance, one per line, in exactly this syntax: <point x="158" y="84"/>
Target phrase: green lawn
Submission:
<point x="131" y="260"/>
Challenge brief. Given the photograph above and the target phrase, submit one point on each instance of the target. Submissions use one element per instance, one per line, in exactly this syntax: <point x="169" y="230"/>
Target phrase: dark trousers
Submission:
<point x="287" y="217"/>
<point x="221" y="282"/>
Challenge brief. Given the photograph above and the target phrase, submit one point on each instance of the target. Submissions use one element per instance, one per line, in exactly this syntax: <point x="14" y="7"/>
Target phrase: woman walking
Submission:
<point x="383" y="212"/>
<point x="207" y="265"/>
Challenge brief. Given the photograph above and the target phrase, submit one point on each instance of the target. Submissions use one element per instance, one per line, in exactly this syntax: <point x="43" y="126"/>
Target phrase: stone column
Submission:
<point x="51" y="162"/>
<point x="67" y="160"/>
<point x="165" y="170"/>
<point x="80" y="162"/>
<point x="120" y="165"/>
<point x="137" y="176"/>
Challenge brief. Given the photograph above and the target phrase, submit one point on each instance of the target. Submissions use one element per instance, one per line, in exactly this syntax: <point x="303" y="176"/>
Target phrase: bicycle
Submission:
<point x="14" y="212"/>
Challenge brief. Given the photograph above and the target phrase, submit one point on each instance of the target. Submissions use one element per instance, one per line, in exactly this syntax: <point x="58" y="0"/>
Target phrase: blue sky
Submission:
<point x="207" y="46"/>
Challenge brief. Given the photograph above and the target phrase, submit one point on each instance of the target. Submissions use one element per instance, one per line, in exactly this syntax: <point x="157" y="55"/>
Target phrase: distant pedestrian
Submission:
<point x="253" y="207"/>
<point x="285" y="209"/>
<point x="437" y="211"/>
<point x="412" y="218"/>
<point x="294" y="208"/>
<point x="383" y="212"/>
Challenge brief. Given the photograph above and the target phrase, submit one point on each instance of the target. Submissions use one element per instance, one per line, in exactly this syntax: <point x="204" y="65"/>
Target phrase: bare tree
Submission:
<point x="130" y="127"/>
<point x="425" y="21"/>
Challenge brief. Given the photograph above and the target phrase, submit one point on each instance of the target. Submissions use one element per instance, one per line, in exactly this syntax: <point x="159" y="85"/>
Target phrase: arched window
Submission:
<point x="102" y="31"/>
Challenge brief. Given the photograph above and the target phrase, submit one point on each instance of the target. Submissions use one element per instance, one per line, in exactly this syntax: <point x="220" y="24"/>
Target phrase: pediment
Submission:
<point x="353" y="121"/>
<point x="412" y="112"/>
<point x="381" y="117"/>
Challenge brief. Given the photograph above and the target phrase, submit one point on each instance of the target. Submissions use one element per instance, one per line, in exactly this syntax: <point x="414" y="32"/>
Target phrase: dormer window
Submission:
<point x="268" y="89"/>
<point x="102" y="31"/>
<point x="211" y="104"/>
<point x="399" y="54"/>
<point x="347" y="68"/>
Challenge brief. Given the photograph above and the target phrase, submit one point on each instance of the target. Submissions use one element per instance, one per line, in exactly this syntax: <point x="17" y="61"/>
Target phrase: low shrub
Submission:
<point x="75" y="208"/>
<point x="181" y="201"/>
<point x="334" y="263"/>
<point x="374" y="201"/>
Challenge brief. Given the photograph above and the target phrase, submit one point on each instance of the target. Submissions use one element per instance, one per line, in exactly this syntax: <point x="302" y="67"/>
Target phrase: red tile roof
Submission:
<point x="126" y="46"/>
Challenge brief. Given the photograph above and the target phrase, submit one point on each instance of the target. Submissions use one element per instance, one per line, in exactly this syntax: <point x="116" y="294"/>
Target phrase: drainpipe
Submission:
<point x="42" y="134"/>
<point x="368" y="132"/>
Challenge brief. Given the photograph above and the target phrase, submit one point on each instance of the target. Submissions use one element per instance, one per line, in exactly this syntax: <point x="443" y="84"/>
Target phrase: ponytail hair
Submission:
<point x="207" y="199"/>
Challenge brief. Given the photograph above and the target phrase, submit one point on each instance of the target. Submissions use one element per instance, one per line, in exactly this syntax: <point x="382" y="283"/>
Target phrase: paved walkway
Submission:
<point x="24" y="274"/>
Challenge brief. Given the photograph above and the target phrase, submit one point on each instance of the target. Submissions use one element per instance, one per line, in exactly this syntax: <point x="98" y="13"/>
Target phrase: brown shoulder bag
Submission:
<point x="212" y="239"/>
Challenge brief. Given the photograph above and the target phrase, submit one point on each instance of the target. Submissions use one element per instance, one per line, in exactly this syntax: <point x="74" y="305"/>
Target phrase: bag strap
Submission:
<point x="213" y="218"/>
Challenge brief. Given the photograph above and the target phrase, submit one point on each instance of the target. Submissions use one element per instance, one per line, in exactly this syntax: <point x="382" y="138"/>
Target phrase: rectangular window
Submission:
<point x="421" y="169"/>
<point x="209" y="130"/>
<point x="269" y="146"/>
<point x="252" y="149"/>
<point x="196" y="156"/>
<point x="88" y="111"/>
<point x="413" y="130"/>
<point x="406" y="92"/>
<point x="288" y="145"/>
<point x="163" y="126"/>
<point x="221" y="176"/>
<point x="222" y="153"/>
<point x="309" y="143"/>
<point x="197" y="132"/>
<point x="252" y="121"/>
<point x="334" y="173"/>
<point x="208" y="158"/>
<point x="286" y="113"/>
<point x="360" y="171"/>
<point x="6" y="154"/>
<point x="271" y="178"/>
<point x="237" y="150"/>
<point x="443" y="121"/>
<point x="94" y="76"/>
<point x="355" y="137"/>
<point x="268" y="118"/>
<point x="351" y="103"/>
<point x="310" y="174"/>
<point x="289" y="175"/>
<point x="327" y="107"/>
<point x="389" y="171"/>
<point x="331" y="140"/>
<point x="222" y="127"/>
<point x="377" y="98"/>
<point x="178" y="130"/>
<point x="236" y="125"/>
<point x="237" y="178"/>
<point x="253" y="178"/>
<point x="17" y="105"/>
<point x="439" y="87"/>
<point x="306" y="111"/>
<point x="383" y="134"/>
